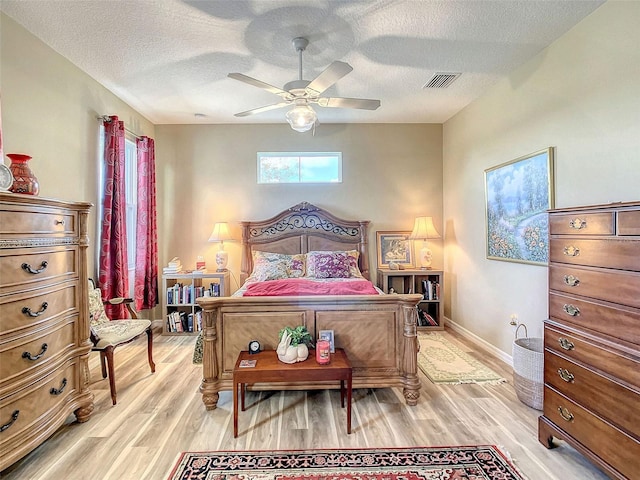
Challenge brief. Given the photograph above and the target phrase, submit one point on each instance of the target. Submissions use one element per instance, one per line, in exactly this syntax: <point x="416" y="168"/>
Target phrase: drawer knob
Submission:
<point x="571" y="309"/>
<point x="571" y="280"/>
<point x="566" y="414"/>
<point x="27" y="310"/>
<point x="566" y="344"/>
<point x="33" y="358"/>
<point x="571" y="251"/>
<point x="578" y="224"/>
<point x="58" y="391"/>
<point x="566" y="375"/>
<point x="28" y="268"/>
<point x="60" y="222"/>
<point x="14" y="417"/>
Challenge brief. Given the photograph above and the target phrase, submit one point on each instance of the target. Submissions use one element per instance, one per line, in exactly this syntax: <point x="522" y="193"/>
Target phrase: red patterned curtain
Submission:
<point x="146" y="276"/>
<point x="113" y="273"/>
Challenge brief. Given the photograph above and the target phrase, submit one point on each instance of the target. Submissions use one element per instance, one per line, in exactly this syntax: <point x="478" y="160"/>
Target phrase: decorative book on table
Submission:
<point x="248" y="363"/>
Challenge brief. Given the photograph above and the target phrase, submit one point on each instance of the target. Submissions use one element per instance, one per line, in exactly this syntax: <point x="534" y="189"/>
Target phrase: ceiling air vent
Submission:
<point x="441" y="80"/>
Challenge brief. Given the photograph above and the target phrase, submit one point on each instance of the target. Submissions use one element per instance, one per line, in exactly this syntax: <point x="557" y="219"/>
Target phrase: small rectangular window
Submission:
<point x="299" y="167"/>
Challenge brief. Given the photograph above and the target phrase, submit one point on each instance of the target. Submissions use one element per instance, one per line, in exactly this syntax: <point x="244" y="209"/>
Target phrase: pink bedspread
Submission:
<point x="303" y="286"/>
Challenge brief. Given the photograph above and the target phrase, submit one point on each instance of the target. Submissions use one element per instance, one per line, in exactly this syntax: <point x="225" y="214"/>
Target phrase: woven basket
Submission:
<point x="528" y="369"/>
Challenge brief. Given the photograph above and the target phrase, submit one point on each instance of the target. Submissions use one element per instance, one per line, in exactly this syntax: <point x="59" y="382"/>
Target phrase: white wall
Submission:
<point x="582" y="96"/>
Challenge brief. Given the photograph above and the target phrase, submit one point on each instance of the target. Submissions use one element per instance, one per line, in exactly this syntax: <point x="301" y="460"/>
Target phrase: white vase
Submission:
<point x="288" y="353"/>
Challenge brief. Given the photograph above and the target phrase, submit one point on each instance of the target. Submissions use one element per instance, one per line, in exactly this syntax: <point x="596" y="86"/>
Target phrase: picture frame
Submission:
<point x="328" y="335"/>
<point x="517" y="196"/>
<point x="394" y="246"/>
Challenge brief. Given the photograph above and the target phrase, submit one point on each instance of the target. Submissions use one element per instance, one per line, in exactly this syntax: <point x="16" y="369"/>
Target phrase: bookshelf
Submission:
<point x="180" y="312"/>
<point x="431" y="314"/>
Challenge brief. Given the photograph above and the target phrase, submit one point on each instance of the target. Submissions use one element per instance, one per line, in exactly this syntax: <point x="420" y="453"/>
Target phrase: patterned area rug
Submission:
<point x="443" y="362"/>
<point x="418" y="463"/>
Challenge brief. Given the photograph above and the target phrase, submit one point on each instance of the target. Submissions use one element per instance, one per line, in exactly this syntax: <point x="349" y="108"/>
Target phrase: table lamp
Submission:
<point x="220" y="234"/>
<point x="423" y="229"/>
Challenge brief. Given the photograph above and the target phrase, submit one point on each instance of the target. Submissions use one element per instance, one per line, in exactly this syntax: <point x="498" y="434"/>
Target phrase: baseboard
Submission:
<point x="496" y="352"/>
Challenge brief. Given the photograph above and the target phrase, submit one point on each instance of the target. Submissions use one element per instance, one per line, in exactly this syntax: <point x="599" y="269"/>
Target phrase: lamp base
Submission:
<point x="425" y="258"/>
<point x="222" y="258"/>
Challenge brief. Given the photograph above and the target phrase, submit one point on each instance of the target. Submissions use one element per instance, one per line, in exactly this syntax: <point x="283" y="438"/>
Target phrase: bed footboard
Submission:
<point x="378" y="333"/>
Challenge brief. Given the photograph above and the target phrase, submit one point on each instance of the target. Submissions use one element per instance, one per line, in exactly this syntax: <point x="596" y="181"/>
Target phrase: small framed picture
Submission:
<point x="327" y="335"/>
<point x="394" y="247"/>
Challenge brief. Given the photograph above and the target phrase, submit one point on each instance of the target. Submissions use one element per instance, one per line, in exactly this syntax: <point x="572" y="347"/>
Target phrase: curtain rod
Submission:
<point x="106" y="118"/>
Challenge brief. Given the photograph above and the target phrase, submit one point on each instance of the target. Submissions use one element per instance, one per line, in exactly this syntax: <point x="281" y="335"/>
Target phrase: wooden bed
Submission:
<point x="378" y="332"/>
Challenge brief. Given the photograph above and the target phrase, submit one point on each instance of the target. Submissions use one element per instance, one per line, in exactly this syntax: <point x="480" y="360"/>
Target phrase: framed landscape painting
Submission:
<point x="394" y="247"/>
<point x="518" y="194"/>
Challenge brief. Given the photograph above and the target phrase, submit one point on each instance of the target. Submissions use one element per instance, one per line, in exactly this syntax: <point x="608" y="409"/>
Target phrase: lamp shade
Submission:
<point x="301" y="117"/>
<point x="220" y="232"/>
<point x="423" y="229"/>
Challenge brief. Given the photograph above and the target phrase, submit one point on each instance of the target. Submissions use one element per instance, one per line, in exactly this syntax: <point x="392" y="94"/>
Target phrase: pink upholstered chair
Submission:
<point x="107" y="334"/>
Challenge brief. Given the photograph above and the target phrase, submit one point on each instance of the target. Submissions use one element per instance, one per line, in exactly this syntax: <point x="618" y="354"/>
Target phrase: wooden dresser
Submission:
<point x="44" y="331"/>
<point x="592" y="337"/>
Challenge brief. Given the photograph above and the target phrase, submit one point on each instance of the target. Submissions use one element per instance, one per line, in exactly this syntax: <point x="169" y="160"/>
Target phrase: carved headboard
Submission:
<point x="301" y="229"/>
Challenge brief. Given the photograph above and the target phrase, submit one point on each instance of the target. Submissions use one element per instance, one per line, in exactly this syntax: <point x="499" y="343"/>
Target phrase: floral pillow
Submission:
<point x="333" y="264"/>
<point x="275" y="266"/>
<point x="96" y="307"/>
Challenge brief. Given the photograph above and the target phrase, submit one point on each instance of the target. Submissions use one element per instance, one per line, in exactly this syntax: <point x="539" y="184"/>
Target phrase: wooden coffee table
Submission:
<point x="269" y="369"/>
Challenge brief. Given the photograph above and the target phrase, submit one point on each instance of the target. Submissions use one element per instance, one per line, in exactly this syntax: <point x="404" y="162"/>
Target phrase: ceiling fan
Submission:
<point x="301" y="94"/>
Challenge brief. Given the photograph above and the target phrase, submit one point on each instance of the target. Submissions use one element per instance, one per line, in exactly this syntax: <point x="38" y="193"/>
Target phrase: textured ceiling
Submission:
<point x="169" y="59"/>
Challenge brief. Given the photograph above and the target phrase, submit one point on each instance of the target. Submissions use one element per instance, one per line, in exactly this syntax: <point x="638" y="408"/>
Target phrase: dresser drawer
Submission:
<point x="629" y="222"/>
<point x="24" y="357"/>
<point x="609" y="399"/>
<point x="612" y="286"/>
<point x="16" y="311"/>
<point x="609" y="319"/>
<point x="28" y="268"/>
<point x="620" y="450"/>
<point x="606" y="359"/>
<point x="608" y="253"/>
<point x="24" y="223"/>
<point x="40" y="400"/>
<point x="602" y="223"/>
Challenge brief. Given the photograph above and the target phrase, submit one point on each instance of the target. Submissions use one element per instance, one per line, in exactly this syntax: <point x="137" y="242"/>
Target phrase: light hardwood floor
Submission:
<point x="159" y="415"/>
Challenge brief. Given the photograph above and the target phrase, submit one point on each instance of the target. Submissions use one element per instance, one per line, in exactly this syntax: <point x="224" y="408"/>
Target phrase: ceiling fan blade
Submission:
<point x="266" y="108"/>
<point x="257" y="83"/>
<point x="341" y="102"/>
<point x="328" y="77"/>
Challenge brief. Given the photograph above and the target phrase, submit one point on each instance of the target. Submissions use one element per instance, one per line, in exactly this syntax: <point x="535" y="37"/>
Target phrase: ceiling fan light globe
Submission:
<point x="301" y="118"/>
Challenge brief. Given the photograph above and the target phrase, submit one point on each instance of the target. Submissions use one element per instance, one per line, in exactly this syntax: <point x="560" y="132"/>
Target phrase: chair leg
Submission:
<point x="112" y="379"/>
<point x="104" y="366"/>
<point x="150" y="349"/>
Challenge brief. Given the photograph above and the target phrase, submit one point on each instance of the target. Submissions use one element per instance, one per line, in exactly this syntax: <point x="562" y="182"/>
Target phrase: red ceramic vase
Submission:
<point x="24" y="181"/>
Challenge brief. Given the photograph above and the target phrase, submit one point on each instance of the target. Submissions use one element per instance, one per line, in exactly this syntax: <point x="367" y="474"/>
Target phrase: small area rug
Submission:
<point x="417" y="463"/>
<point x="443" y="362"/>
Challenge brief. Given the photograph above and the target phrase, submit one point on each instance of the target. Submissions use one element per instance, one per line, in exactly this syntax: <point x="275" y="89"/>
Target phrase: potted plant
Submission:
<point x="294" y="344"/>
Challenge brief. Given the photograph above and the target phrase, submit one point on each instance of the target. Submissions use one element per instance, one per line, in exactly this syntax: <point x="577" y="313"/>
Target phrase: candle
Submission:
<point x="323" y="352"/>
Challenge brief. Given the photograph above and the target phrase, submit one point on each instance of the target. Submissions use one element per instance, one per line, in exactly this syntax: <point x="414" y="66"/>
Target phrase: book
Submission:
<point x="248" y="363"/>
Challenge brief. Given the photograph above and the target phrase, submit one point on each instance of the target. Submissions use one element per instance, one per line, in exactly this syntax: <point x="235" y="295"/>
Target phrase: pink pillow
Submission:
<point x="333" y="264"/>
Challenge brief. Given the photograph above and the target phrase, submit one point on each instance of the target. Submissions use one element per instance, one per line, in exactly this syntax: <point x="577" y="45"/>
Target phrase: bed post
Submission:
<point x="364" y="250"/>
<point x="246" y="262"/>
<point x="411" y="390"/>
<point x="208" y="387"/>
